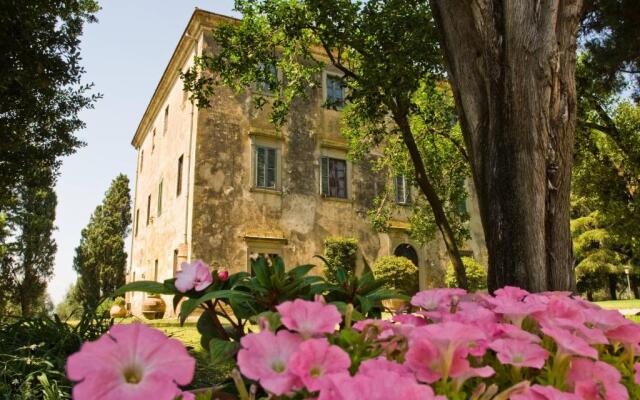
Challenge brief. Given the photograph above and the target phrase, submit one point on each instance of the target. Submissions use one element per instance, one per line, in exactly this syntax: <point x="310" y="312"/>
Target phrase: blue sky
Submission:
<point x="124" y="55"/>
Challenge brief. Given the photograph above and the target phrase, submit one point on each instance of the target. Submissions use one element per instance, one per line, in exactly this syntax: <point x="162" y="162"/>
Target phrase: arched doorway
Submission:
<point x="407" y="251"/>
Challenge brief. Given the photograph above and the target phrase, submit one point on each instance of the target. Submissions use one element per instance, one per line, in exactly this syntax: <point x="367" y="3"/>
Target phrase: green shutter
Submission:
<point x="260" y="167"/>
<point x="160" y="198"/>
<point x="271" y="169"/>
<point x="325" y="175"/>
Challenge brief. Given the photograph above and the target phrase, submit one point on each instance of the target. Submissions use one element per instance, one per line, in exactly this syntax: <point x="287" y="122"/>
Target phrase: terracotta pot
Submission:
<point x="395" y="305"/>
<point x="153" y="307"/>
<point x="117" y="311"/>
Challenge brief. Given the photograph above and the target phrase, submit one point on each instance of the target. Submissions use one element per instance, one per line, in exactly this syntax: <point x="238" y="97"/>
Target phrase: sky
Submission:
<point x="124" y="55"/>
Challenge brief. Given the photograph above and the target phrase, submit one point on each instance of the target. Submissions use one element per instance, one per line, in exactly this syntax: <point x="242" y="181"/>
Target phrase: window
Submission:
<point x="137" y="221"/>
<point x="148" y="209"/>
<point x="155" y="270"/>
<point x="175" y="262"/>
<point x="402" y="190"/>
<point x="335" y="92"/>
<point x="266" y="83"/>
<point x="334" y="177"/>
<point x="266" y="167"/>
<point x="165" y="126"/>
<point x="153" y="141"/>
<point x="160" y="198"/>
<point x="141" y="159"/>
<point x="133" y="279"/>
<point x="179" y="181"/>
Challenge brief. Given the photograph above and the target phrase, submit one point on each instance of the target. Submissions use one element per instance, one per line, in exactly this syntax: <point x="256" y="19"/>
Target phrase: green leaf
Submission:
<point x="144" y="286"/>
<point x="191" y="304"/>
<point x="301" y="270"/>
<point x="176" y="301"/>
<point x="273" y="319"/>
<point x="221" y="351"/>
<point x="261" y="272"/>
<point x="205" y="325"/>
<point x="278" y="266"/>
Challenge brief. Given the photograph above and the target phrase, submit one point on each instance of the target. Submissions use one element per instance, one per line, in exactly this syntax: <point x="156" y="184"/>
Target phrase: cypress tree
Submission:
<point x="101" y="258"/>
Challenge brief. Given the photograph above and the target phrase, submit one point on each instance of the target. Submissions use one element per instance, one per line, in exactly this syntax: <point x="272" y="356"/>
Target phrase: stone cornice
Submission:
<point x="200" y="21"/>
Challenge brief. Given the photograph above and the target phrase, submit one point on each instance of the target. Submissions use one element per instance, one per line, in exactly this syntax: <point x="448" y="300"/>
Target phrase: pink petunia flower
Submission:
<point x="265" y="357"/>
<point x="595" y="380"/>
<point x="315" y="359"/>
<point x="309" y="318"/>
<point x="382" y="364"/>
<point x="433" y="299"/>
<point x="511" y="292"/>
<point x="627" y="334"/>
<point x="375" y="385"/>
<point x="508" y="331"/>
<point x="538" y="392"/>
<point x="440" y="350"/>
<point x="636" y="377"/>
<point x="130" y="362"/>
<point x="193" y="276"/>
<point x="519" y="353"/>
<point x="569" y="343"/>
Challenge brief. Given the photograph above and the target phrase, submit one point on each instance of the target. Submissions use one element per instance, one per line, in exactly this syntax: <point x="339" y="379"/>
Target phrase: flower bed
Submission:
<point x="514" y="345"/>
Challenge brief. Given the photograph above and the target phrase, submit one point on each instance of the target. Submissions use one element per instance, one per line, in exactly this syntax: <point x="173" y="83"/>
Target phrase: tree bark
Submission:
<point x="511" y="65"/>
<point x="440" y="217"/>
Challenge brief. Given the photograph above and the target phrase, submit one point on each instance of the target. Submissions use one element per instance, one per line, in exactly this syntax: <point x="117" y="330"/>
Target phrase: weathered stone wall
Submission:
<point x="165" y="233"/>
<point x="231" y="219"/>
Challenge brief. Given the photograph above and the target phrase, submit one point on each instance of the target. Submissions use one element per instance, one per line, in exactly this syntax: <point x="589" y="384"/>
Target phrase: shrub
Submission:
<point x="339" y="252"/>
<point x="33" y="352"/>
<point x="593" y="277"/>
<point x="397" y="273"/>
<point x="476" y="275"/>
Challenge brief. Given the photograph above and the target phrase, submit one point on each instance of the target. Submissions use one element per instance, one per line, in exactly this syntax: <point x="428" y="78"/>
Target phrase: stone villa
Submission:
<point x="219" y="184"/>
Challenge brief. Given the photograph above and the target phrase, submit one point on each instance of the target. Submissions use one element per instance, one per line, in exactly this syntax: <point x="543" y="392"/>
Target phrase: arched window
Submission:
<point x="407" y="251"/>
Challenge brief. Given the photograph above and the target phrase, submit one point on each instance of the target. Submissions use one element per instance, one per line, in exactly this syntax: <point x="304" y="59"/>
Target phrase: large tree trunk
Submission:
<point x="512" y="68"/>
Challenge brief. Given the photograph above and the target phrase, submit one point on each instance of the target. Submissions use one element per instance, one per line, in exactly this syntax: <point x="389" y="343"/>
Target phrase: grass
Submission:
<point x="207" y="374"/>
<point x="619" y="304"/>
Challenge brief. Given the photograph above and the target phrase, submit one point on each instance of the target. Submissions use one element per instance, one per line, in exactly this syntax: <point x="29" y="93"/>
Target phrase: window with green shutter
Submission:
<point x="402" y="190"/>
<point x="334" y="177"/>
<point x="160" y="198"/>
<point x="335" y="92"/>
<point x="266" y="167"/>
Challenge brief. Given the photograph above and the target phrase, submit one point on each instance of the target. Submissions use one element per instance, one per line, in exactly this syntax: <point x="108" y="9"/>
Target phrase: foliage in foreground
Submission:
<point x="514" y="345"/>
<point x="33" y="353"/>
<point x="232" y="303"/>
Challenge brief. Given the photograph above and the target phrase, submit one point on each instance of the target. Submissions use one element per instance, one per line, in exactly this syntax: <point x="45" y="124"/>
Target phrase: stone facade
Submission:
<point x="214" y="210"/>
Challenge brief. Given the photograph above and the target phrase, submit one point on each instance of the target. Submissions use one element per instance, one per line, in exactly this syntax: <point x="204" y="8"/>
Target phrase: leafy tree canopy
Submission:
<point x="41" y="92"/>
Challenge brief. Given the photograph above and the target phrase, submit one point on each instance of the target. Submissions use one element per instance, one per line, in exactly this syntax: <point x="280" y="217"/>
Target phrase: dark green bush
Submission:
<point x="33" y="353"/>
<point x="339" y="252"/>
<point x="476" y="275"/>
<point x="397" y="273"/>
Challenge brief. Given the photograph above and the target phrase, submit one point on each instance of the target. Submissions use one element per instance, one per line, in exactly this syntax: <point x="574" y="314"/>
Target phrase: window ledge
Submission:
<point x="337" y="199"/>
<point x="276" y="192"/>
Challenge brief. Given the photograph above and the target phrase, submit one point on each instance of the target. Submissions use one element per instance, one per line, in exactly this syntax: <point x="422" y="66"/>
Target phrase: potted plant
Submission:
<point x="397" y="273"/>
<point x="153" y="306"/>
<point x="118" y="309"/>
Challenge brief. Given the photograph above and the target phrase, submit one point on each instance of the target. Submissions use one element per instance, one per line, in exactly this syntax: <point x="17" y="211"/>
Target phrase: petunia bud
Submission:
<point x="223" y="275"/>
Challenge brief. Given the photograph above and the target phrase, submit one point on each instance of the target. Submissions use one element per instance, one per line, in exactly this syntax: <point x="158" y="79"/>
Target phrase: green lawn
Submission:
<point x="619" y="304"/>
<point x="207" y="374"/>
